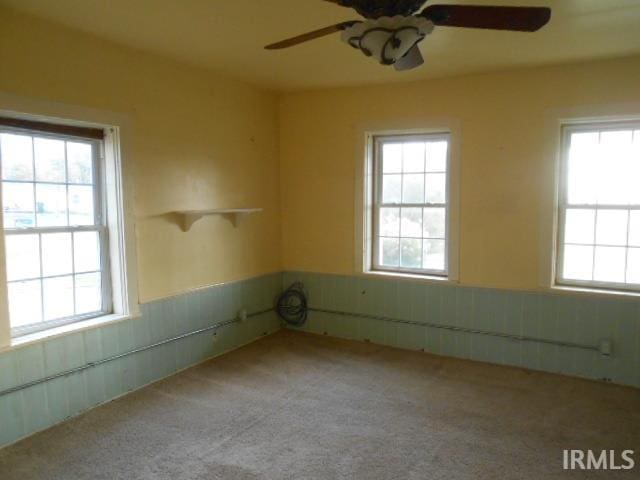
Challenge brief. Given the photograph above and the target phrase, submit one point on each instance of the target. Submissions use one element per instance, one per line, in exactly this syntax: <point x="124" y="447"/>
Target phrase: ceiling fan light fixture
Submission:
<point x="411" y="60"/>
<point x="388" y="39"/>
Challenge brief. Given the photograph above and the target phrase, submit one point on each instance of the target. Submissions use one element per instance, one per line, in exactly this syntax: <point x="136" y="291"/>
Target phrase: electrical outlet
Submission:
<point x="242" y="315"/>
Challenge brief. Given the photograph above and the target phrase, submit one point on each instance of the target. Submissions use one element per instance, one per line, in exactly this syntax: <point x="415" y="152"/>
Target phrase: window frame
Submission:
<point x="100" y="226"/>
<point x="567" y="129"/>
<point x="117" y="130"/>
<point x="376" y="203"/>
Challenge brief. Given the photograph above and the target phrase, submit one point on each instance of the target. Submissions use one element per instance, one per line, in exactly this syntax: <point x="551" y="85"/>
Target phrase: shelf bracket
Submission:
<point x="236" y="219"/>
<point x="188" y="219"/>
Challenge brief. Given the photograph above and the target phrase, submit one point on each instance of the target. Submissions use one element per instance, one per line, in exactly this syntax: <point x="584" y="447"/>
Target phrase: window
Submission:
<point x="410" y="204"/>
<point x="55" y="226"/>
<point x="599" y="217"/>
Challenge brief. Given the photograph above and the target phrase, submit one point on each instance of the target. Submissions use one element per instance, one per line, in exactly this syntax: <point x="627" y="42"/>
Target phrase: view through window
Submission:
<point x="599" y="218"/>
<point x="410" y="199"/>
<point x="55" y="229"/>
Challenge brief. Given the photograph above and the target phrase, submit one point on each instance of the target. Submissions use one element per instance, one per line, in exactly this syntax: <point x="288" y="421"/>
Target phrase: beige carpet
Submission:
<point x="296" y="406"/>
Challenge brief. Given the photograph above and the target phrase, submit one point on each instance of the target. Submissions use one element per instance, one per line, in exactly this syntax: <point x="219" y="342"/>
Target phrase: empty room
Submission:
<point x="319" y="239"/>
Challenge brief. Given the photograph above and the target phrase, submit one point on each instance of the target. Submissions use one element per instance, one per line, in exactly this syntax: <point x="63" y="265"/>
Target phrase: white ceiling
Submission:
<point x="228" y="36"/>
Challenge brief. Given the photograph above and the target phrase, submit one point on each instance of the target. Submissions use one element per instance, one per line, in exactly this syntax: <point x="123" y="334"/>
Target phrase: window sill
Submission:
<point x="76" y="327"/>
<point x="410" y="276"/>
<point x="595" y="291"/>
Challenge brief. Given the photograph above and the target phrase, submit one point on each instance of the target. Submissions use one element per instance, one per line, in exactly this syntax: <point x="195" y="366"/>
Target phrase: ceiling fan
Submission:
<point x="392" y="29"/>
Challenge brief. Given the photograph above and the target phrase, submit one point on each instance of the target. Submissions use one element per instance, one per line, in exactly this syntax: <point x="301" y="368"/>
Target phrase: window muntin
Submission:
<point x="599" y="207"/>
<point x="410" y="204"/>
<point x="56" y="238"/>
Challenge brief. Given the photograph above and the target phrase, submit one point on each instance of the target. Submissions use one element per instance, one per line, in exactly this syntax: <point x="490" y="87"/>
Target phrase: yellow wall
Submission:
<point x="201" y="141"/>
<point x="197" y="141"/>
<point x="508" y="123"/>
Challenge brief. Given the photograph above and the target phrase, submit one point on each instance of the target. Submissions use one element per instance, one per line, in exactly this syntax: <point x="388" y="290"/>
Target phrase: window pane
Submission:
<point x="86" y="251"/>
<point x="413" y="188"/>
<point x="609" y="264"/>
<point x="634" y="174"/>
<point x="88" y="293"/>
<point x="617" y="145"/>
<point x="18" y="205"/>
<point x="391" y="185"/>
<point x="80" y="205"/>
<point x="392" y="158"/>
<point x="57" y="297"/>
<point x="611" y="228"/>
<point x="411" y="222"/>
<point x="435" y="186"/>
<point x="635" y="169"/>
<point x="634" y="228"/>
<point x="434" y="223"/>
<point x="578" y="262"/>
<point x="390" y="252"/>
<point x="25" y="305"/>
<point x="619" y="150"/>
<point x="437" y="156"/>
<point x="51" y="205"/>
<point x="23" y="256"/>
<point x="56" y="254"/>
<point x="633" y="266"/>
<point x="580" y="226"/>
<point x="413" y="157"/>
<point x="585" y="141"/>
<point x="410" y="253"/>
<point x="613" y="167"/>
<point x="617" y="142"/>
<point x="582" y="178"/>
<point x="80" y="162"/>
<point x="50" y="161"/>
<point x="612" y="189"/>
<point x="433" y="254"/>
<point x="17" y="157"/>
<point x="390" y="222"/>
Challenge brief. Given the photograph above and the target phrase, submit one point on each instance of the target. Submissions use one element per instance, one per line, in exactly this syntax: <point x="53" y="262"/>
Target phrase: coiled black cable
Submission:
<point x="292" y="305"/>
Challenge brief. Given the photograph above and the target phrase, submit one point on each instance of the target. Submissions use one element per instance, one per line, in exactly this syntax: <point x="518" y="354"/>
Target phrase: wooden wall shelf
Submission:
<point x="234" y="215"/>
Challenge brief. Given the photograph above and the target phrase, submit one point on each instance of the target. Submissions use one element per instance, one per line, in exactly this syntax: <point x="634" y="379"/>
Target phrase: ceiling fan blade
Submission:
<point x="521" y="19"/>
<point x="412" y="59"/>
<point x="290" y="42"/>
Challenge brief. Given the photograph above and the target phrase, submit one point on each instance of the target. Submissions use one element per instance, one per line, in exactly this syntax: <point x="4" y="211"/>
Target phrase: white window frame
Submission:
<point x="562" y="205"/>
<point x="374" y="192"/>
<point x="100" y="216"/>
<point x="118" y="184"/>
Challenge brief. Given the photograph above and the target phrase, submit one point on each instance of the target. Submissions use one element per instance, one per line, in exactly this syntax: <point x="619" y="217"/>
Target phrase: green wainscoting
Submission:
<point x="557" y="317"/>
<point x="41" y="406"/>
<point x="562" y="317"/>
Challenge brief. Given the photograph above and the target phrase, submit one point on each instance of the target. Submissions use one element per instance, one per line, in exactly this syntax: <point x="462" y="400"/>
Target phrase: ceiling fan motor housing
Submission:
<point x="383" y="8"/>
<point x="388" y="39"/>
